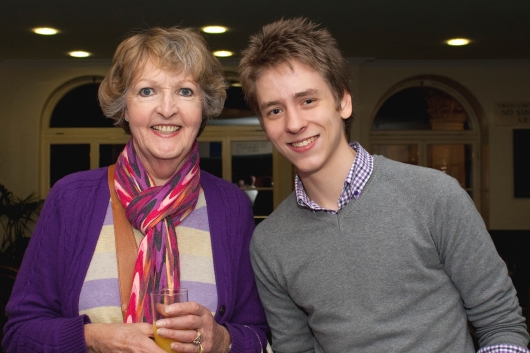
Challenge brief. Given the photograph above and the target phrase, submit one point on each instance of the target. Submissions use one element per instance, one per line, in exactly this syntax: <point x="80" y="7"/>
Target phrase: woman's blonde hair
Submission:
<point x="172" y="49"/>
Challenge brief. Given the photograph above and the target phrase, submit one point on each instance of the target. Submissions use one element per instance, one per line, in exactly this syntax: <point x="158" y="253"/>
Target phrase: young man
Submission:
<point x="368" y="254"/>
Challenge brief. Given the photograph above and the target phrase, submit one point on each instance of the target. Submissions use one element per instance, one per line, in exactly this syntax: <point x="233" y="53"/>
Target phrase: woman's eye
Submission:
<point x="146" y="92"/>
<point x="186" y="92"/>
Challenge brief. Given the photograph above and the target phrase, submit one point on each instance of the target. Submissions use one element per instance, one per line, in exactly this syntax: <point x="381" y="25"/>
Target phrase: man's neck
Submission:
<point x="325" y="186"/>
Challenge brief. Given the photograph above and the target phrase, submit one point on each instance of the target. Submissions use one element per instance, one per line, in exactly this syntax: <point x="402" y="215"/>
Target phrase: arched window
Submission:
<point x="75" y="134"/>
<point x="421" y="108"/>
<point x="80" y="108"/>
<point x="432" y="123"/>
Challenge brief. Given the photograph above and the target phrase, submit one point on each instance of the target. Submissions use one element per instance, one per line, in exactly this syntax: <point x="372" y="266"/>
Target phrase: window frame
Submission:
<point x="92" y="136"/>
<point x="436" y="137"/>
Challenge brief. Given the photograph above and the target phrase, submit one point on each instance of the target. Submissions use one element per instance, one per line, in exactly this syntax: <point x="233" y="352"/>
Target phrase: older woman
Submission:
<point x="191" y="228"/>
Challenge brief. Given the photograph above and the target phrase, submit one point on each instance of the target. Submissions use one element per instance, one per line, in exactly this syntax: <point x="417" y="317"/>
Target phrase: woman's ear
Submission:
<point x="125" y="115"/>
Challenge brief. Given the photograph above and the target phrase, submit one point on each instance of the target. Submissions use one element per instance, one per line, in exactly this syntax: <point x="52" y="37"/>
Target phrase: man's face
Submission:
<point x="300" y="116"/>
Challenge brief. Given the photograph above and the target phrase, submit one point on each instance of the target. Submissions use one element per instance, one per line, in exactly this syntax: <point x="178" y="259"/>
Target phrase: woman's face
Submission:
<point x="164" y="111"/>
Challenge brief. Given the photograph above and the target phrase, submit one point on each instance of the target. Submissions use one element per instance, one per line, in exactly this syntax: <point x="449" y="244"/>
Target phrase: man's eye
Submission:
<point x="275" y="111"/>
<point x="146" y="91"/>
<point x="186" y="92"/>
<point x="308" y="101"/>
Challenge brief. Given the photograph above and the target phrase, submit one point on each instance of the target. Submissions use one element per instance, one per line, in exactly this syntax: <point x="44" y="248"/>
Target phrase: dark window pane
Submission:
<point x="108" y="154"/>
<point x="235" y="105"/>
<point x="235" y="99"/>
<point x="211" y="161"/>
<point x="262" y="205"/>
<point x="469" y="168"/>
<point x="405" y="110"/>
<point x="258" y="220"/>
<point x="67" y="159"/>
<point x="521" y="167"/>
<point x="252" y="172"/>
<point x="80" y="108"/>
<point x="251" y="163"/>
<point x="421" y="108"/>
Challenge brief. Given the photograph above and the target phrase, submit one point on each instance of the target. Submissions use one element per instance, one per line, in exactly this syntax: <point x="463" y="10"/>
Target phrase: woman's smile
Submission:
<point x="165" y="129"/>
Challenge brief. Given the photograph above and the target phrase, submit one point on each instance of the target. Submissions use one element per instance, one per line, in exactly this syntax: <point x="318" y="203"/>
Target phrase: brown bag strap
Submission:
<point x="126" y="247"/>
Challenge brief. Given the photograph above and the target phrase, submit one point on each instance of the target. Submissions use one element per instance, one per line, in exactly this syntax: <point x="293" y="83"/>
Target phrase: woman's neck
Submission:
<point x="161" y="171"/>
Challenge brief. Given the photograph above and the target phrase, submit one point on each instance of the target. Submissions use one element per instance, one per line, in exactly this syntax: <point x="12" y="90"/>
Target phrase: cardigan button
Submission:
<point x="222" y="310"/>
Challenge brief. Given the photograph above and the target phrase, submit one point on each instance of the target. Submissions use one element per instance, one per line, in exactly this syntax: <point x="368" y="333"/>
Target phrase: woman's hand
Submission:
<point x="120" y="338"/>
<point x="182" y="324"/>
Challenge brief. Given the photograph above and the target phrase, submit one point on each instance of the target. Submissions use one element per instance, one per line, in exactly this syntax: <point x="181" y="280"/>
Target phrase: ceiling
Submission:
<point x="375" y="29"/>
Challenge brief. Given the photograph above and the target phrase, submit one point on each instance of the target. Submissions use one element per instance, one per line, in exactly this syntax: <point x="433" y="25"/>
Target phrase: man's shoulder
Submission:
<point x="390" y="166"/>
<point x="423" y="185"/>
<point x="408" y="174"/>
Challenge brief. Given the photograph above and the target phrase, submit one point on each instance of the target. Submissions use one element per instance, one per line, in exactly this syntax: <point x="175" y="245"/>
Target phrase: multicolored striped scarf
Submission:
<point x="155" y="211"/>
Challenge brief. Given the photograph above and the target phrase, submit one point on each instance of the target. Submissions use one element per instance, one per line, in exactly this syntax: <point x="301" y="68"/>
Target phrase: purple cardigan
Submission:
<point x="43" y="310"/>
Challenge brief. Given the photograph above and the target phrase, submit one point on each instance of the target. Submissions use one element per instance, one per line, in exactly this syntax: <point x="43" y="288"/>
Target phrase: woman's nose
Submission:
<point x="167" y="106"/>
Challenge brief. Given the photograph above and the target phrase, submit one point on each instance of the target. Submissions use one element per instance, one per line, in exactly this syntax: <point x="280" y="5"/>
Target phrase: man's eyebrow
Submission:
<point x="307" y="92"/>
<point x="265" y="105"/>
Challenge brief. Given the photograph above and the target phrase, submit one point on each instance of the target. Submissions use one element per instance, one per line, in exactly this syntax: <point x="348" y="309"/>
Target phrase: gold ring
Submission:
<point x="199" y="348"/>
<point x="197" y="341"/>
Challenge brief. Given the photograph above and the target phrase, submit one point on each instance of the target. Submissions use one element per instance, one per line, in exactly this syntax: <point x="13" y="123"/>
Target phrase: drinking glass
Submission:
<point x="159" y="300"/>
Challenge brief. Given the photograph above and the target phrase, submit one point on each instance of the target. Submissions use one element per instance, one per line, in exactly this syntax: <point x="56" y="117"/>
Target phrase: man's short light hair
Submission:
<point x="297" y="39"/>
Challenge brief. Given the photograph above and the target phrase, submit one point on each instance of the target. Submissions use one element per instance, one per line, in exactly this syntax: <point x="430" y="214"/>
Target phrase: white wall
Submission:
<point x="25" y="87"/>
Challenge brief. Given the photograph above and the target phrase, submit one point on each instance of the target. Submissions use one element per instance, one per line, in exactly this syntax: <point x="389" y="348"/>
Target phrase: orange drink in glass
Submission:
<point x="159" y="300"/>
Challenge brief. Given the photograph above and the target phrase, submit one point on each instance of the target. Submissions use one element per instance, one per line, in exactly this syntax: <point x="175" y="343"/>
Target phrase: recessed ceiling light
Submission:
<point x="458" y="41"/>
<point x="46" y="31"/>
<point x="223" y="53"/>
<point x="79" y="54"/>
<point x="235" y="84"/>
<point x="214" y="29"/>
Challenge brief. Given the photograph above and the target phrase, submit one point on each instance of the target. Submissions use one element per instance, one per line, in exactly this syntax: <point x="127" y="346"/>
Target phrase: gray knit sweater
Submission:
<point x="400" y="269"/>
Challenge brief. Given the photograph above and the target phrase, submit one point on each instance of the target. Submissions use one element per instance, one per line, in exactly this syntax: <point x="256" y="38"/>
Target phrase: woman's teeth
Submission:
<point x="166" y="129"/>
<point x="304" y="143"/>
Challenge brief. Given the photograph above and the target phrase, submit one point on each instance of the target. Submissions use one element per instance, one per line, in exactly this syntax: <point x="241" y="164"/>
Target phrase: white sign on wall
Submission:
<point x="248" y="148"/>
<point x="512" y="114"/>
